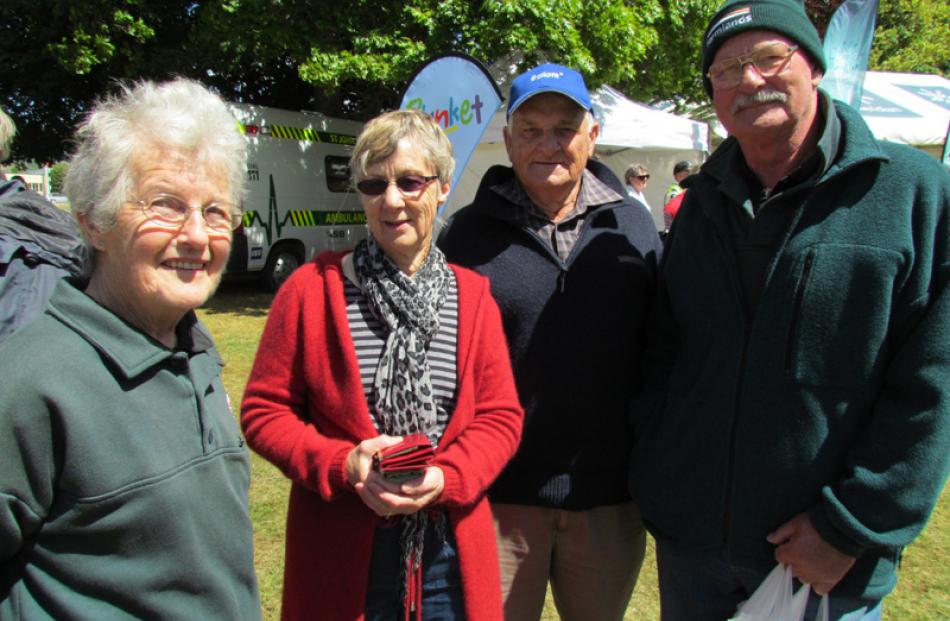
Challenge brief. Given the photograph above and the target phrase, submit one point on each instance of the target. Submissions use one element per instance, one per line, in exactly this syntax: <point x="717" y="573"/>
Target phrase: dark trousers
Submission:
<point x="710" y="590"/>
<point x="441" y="578"/>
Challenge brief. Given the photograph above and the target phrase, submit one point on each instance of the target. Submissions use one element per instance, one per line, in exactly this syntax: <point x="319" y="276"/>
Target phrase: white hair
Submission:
<point x="634" y="170"/>
<point x="180" y="116"/>
<point x="589" y="120"/>
<point x="7" y="132"/>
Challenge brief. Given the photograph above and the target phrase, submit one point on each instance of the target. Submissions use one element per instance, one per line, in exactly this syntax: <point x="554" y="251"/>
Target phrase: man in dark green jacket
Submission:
<point x="798" y="403"/>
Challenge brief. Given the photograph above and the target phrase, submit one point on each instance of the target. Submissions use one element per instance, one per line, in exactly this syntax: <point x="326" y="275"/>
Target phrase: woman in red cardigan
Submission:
<point x="361" y="349"/>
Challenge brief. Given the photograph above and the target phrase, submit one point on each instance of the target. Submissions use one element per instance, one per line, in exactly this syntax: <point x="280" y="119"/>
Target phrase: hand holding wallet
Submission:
<point x="406" y="460"/>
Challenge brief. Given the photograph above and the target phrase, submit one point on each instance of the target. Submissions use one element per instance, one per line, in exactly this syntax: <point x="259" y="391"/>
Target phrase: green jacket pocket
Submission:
<point x="841" y="310"/>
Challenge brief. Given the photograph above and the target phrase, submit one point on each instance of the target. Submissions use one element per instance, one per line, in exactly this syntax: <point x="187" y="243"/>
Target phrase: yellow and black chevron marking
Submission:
<point x="304" y="133"/>
<point x="313" y="217"/>
<point x="302" y="218"/>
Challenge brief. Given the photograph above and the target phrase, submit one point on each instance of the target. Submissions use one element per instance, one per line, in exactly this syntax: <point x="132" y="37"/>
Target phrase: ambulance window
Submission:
<point x="338" y="173"/>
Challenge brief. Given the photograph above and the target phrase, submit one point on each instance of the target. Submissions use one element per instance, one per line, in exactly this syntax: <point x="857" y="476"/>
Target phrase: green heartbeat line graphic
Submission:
<point x="298" y="218"/>
<point x="272" y="218"/>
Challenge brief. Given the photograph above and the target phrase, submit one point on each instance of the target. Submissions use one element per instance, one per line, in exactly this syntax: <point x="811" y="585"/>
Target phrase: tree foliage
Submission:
<point x="671" y="70"/>
<point x="349" y="59"/>
<point x="57" y="174"/>
<point x="352" y="59"/>
<point x="912" y="36"/>
<point x="58" y="56"/>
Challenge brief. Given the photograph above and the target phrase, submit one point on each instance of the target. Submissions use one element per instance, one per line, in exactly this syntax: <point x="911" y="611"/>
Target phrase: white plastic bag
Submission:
<point x="776" y="600"/>
<point x="823" y="609"/>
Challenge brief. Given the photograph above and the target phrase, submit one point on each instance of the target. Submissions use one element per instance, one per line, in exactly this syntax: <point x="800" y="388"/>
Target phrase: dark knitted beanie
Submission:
<point x="786" y="17"/>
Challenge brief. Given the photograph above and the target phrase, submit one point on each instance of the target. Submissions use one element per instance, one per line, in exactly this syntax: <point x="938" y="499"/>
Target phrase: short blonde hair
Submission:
<point x="7" y="132"/>
<point x="381" y="135"/>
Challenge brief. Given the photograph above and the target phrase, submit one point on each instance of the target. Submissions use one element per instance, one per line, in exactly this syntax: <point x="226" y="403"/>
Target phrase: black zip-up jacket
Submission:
<point x="575" y="330"/>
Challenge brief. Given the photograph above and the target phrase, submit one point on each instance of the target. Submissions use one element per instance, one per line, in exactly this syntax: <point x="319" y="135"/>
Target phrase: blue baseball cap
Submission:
<point x="549" y="78"/>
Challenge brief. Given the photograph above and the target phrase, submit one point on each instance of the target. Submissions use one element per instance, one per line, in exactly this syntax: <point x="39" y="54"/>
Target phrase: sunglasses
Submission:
<point x="407" y="184"/>
<point x="642" y="177"/>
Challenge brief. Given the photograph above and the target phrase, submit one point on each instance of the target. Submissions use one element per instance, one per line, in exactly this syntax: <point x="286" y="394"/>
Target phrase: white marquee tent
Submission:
<point x="630" y="132"/>
<point x="908" y="108"/>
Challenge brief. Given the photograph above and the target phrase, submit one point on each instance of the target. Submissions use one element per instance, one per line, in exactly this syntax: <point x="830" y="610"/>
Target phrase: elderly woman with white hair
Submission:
<point x="361" y="350"/>
<point x="123" y="491"/>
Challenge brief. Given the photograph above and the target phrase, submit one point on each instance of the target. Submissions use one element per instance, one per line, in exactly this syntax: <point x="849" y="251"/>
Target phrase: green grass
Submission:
<point x="236" y="317"/>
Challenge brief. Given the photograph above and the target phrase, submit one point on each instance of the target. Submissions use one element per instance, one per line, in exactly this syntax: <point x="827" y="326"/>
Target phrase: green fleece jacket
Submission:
<point x="124" y="478"/>
<point x="834" y="398"/>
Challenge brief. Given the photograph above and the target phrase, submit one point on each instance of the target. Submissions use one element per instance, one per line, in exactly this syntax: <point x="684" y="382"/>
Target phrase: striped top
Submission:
<point x="369" y="337"/>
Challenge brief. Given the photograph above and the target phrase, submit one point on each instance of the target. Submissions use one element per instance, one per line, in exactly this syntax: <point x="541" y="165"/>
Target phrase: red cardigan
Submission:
<point x="304" y="410"/>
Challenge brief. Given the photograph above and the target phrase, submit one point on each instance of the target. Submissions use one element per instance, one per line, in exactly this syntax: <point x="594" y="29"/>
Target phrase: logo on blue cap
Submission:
<point x="549" y="78"/>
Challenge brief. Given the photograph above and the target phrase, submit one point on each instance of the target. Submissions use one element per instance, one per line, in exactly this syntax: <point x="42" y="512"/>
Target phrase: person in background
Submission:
<point x="9" y="184"/>
<point x="636" y="178"/>
<point x="681" y="170"/>
<point x="673" y="207"/>
<point x="124" y="490"/>
<point x="572" y="261"/>
<point x="671" y="202"/>
<point x="360" y="349"/>
<point x="39" y="244"/>
<point x="798" y="408"/>
<point x="7" y="132"/>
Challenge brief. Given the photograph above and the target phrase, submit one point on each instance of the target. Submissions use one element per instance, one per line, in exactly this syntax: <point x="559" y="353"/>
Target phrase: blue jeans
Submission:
<point x="711" y="589"/>
<point x="441" y="578"/>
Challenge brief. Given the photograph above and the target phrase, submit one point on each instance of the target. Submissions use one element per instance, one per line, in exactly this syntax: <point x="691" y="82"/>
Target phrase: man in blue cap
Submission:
<point x="797" y="409"/>
<point x="572" y="263"/>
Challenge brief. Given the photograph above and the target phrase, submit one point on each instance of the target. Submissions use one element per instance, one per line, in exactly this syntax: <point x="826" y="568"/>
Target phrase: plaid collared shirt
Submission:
<point x="561" y="236"/>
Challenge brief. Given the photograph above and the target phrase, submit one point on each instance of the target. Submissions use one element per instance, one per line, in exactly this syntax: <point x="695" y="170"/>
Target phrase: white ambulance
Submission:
<point x="299" y="200"/>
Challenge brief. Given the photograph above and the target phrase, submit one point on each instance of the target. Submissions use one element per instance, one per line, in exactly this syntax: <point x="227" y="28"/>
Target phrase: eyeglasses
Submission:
<point x="767" y="60"/>
<point x="407" y="184"/>
<point x="642" y="177"/>
<point x="172" y="212"/>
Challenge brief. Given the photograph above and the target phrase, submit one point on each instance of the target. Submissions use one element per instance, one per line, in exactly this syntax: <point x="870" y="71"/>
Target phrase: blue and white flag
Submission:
<point x="460" y="94"/>
<point x="847" y="47"/>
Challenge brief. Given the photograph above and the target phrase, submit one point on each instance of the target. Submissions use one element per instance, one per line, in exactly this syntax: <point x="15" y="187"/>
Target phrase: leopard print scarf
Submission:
<point x="409" y="309"/>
